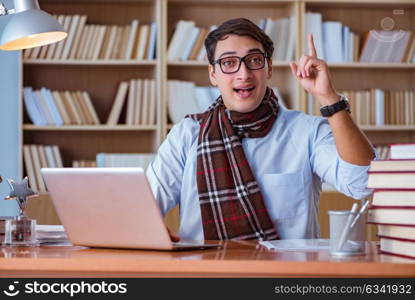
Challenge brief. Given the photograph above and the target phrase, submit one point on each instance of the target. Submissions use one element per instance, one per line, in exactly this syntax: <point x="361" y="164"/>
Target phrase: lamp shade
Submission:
<point x="31" y="28"/>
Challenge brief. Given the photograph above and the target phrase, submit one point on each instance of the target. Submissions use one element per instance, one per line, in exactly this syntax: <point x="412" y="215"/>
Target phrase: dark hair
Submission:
<point x="241" y="27"/>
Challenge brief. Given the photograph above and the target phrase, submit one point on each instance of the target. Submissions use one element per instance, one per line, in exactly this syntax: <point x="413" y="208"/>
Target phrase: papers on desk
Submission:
<point x="51" y="234"/>
<point x="297" y="244"/>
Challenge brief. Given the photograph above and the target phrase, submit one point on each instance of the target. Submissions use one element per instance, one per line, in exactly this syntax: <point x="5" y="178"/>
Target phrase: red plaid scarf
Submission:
<point x="231" y="202"/>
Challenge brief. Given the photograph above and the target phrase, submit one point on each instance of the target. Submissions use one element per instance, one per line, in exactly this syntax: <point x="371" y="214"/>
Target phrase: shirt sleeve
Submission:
<point x="165" y="172"/>
<point x="350" y="179"/>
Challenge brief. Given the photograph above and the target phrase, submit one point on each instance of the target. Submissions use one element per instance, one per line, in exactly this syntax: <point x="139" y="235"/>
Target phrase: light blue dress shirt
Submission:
<point x="289" y="163"/>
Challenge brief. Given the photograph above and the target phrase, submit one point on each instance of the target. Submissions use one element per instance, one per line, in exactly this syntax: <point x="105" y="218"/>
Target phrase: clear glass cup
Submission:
<point x="20" y="232"/>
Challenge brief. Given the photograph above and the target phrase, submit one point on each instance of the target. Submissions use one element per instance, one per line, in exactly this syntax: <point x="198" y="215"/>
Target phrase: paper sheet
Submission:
<point x="297" y="244"/>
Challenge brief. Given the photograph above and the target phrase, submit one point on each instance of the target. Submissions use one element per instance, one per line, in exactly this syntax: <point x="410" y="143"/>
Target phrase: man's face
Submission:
<point x="244" y="90"/>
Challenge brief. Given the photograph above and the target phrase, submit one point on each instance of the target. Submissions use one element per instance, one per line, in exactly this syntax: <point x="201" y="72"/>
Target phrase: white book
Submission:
<point x="138" y="102"/>
<point x="51" y="48"/>
<point x="50" y="158"/>
<point x="131" y="39"/>
<point x="61" y="107"/>
<point x="71" y="36"/>
<point x="111" y="41"/>
<point x="131" y="102"/>
<point x="145" y="102"/>
<point x="90" y="31"/>
<point x="33" y="111"/>
<point x="30" y="168"/>
<point x="332" y="39"/>
<point x="72" y="107"/>
<point x="82" y="42"/>
<point x="36" y="166"/>
<point x="77" y="37"/>
<point x="142" y="41"/>
<point x="42" y="156"/>
<point x="59" y="48"/>
<point x="290" y="55"/>
<point x="100" y="40"/>
<point x="47" y="95"/>
<point x="91" y="108"/>
<point x="350" y="50"/>
<point x="345" y="39"/>
<point x="369" y="45"/>
<point x="44" y="107"/>
<point x="189" y="43"/>
<point x="57" y="156"/>
<point x="179" y="39"/>
<point x="314" y="25"/>
<point x="402" y="44"/>
<point x="152" y="42"/>
<point x="118" y="104"/>
<point x="379" y="107"/>
<point x="117" y="42"/>
<point x="283" y="26"/>
<point x="92" y="41"/>
<point x="152" y="120"/>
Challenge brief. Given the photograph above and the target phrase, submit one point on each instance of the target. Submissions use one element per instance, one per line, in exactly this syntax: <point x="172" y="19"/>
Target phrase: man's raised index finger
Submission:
<point x="312" y="49"/>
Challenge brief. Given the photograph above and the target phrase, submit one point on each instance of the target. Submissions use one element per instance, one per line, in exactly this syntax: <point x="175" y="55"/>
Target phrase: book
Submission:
<point x="124" y="159"/>
<point x="77" y="37"/>
<point x="47" y="95"/>
<point x="332" y="39"/>
<point x="131" y="39"/>
<point x="90" y="107"/>
<point x="118" y="104"/>
<point x="391" y="231"/>
<point x="59" y="48"/>
<point x="50" y="158"/>
<point x="44" y="107"/>
<point x="393" y="197"/>
<point x="131" y="102"/>
<point x="388" y="179"/>
<point x="30" y="171"/>
<point x="71" y="109"/>
<point x="152" y="42"/>
<point x="142" y="41"/>
<point x="198" y="44"/>
<point x="145" y="102"/>
<point x="36" y="167"/>
<point x="100" y="40"/>
<point x="57" y="156"/>
<point x="391" y="215"/>
<point x="32" y="108"/>
<point x="400" y="247"/>
<point x="61" y="107"/>
<point x="392" y="165"/>
<point x="76" y="110"/>
<point x="153" y="104"/>
<point x="71" y="35"/>
<point x="86" y="117"/>
<point x="402" y="151"/>
<point x="124" y="41"/>
<point x="138" y="102"/>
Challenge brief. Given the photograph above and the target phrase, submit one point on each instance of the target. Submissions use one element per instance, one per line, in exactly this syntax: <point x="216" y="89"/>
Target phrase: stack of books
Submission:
<point x="134" y="41"/>
<point x="57" y="108"/>
<point x="393" y="205"/>
<point x="37" y="157"/>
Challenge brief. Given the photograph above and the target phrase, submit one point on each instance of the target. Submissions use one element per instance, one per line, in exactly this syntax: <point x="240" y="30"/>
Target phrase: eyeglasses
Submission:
<point x="232" y="64"/>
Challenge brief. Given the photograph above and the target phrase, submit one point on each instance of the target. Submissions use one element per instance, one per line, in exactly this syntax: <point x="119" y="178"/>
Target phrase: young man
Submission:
<point x="247" y="168"/>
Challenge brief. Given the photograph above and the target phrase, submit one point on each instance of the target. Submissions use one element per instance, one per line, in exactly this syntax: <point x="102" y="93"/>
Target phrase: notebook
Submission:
<point x="111" y="208"/>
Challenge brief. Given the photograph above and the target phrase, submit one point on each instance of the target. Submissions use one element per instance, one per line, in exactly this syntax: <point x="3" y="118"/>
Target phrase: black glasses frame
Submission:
<point x="241" y="59"/>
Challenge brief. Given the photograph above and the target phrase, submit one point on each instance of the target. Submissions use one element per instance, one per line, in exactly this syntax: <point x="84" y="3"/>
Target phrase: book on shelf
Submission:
<point x="131" y="39"/>
<point x="44" y="107"/>
<point x="40" y="156"/>
<point x="198" y="44"/>
<point x="51" y="103"/>
<point x="402" y="151"/>
<point x="32" y="108"/>
<point x="332" y="39"/>
<point x="152" y="41"/>
<point x="118" y="103"/>
<point x="397" y="246"/>
<point x="141" y="160"/>
<point x="76" y="38"/>
<point x="84" y="164"/>
<point x="142" y="41"/>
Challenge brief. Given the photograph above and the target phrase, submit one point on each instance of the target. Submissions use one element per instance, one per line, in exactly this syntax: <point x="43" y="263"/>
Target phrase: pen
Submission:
<point x="359" y="214"/>
<point x="346" y="230"/>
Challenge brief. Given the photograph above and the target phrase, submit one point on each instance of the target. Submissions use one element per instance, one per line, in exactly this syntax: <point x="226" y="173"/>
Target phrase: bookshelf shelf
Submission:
<point x="78" y="62"/>
<point x="373" y="65"/>
<point x="90" y="128"/>
<point x="388" y="128"/>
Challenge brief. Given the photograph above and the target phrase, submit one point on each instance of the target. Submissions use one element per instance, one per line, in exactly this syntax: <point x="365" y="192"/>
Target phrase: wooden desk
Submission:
<point x="235" y="259"/>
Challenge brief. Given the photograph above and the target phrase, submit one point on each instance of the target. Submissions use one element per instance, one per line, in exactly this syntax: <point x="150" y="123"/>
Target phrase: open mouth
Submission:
<point x="244" y="93"/>
<point x="244" y="89"/>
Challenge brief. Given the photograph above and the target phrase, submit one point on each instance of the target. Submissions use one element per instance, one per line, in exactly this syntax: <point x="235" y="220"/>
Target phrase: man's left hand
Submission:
<point x="313" y="75"/>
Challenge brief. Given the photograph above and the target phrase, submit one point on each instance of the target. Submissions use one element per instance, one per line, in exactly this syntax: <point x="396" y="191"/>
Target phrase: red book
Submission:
<point x="397" y="246"/>
<point x="392" y="165"/>
<point x="391" y="215"/>
<point x="394" y="197"/>
<point x="391" y="180"/>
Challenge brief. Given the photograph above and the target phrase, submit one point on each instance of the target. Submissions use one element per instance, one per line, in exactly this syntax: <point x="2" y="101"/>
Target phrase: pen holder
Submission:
<point x="355" y="241"/>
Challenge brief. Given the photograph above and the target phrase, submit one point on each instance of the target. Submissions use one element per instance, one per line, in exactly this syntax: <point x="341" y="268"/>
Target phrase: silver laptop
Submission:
<point x="111" y="208"/>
